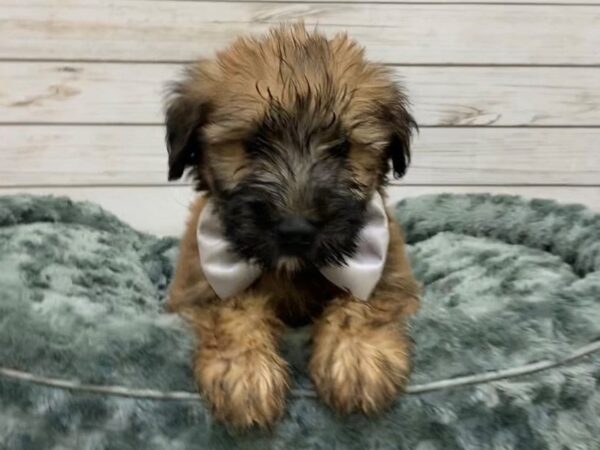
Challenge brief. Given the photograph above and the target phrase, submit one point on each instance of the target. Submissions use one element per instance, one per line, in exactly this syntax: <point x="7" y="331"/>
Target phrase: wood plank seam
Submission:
<point x="439" y="33"/>
<point x="127" y="94"/>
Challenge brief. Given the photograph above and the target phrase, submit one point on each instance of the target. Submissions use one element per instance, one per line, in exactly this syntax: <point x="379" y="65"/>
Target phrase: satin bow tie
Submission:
<point x="229" y="274"/>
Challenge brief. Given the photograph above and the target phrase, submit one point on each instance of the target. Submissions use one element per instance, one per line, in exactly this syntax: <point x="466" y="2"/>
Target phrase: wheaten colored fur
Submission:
<point x="361" y="355"/>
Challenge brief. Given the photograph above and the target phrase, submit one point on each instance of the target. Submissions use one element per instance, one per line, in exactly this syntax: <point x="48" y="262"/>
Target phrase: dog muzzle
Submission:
<point x="229" y="274"/>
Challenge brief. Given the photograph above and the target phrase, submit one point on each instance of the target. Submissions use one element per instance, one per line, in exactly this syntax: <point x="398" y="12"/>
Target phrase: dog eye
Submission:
<point x="340" y="149"/>
<point x="253" y="146"/>
<point x="250" y="146"/>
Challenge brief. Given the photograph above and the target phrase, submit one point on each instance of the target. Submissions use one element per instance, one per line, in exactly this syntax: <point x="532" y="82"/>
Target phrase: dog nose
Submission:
<point x="296" y="234"/>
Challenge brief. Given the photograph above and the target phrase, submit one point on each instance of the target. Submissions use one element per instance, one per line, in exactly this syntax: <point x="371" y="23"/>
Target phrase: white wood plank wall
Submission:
<point x="507" y="93"/>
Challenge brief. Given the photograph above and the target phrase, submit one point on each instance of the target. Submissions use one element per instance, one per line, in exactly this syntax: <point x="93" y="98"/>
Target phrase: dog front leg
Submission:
<point x="361" y="349"/>
<point x="237" y="365"/>
<point x="361" y="356"/>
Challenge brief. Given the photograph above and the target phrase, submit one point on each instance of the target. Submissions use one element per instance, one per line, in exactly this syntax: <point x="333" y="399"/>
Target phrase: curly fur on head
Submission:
<point x="290" y="124"/>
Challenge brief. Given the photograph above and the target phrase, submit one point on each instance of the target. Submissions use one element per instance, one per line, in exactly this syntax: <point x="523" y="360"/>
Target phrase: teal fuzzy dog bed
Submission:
<point x="89" y="360"/>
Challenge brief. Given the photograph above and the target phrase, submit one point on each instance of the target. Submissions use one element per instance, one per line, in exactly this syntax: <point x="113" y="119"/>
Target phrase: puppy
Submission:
<point x="291" y="136"/>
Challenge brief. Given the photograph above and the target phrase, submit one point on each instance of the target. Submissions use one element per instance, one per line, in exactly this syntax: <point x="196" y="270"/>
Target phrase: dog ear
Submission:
<point x="185" y="116"/>
<point x="402" y="126"/>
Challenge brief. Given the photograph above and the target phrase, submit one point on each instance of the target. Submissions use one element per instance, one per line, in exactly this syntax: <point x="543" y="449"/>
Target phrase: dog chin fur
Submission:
<point x="289" y="265"/>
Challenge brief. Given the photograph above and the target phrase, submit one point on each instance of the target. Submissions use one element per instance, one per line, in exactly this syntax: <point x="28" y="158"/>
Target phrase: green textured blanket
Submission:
<point x="508" y="282"/>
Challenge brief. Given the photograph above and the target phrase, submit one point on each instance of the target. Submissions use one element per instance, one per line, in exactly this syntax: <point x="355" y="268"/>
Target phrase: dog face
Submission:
<point x="291" y="134"/>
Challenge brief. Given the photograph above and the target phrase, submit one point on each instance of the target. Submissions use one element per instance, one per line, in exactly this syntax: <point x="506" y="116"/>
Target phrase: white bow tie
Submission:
<point x="229" y="274"/>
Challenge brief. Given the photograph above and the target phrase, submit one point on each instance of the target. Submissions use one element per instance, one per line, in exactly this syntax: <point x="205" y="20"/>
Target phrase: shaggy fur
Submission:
<point x="507" y="282"/>
<point x="285" y="129"/>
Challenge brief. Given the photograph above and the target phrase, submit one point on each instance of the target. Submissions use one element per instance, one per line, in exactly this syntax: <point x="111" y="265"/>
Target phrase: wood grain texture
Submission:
<point x="393" y="33"/>
<point x="135" y="155"/>
<point x="505" y="2"/>
<point x="44" y="92"/>
<point x="163" y="210"/>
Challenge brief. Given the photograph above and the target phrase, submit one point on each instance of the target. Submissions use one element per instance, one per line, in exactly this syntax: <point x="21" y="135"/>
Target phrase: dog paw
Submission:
<point x="359" y="369"/>
<point x="245" y="390"/>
